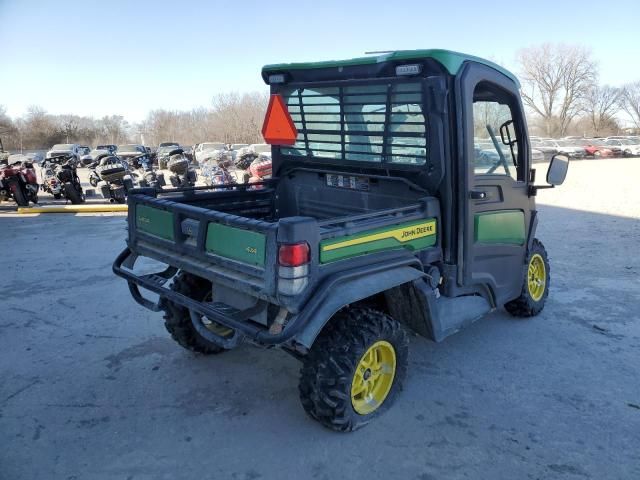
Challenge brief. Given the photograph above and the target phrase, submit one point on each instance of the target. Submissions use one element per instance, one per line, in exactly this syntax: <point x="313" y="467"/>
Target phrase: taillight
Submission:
<point x="293" y="255"/>
<point x="293" y="269"/>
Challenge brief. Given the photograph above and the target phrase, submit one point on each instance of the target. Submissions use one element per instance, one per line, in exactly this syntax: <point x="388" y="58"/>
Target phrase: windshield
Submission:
<point x="363" y="123"/>
<point x="129" y="148"/>
<point x="213" y="146"/>
<point x="63" y="146"/>
<point x="261" y="148"/>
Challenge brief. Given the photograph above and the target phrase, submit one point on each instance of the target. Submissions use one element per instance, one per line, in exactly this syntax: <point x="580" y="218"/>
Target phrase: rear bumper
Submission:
<point x="220" y="313"/>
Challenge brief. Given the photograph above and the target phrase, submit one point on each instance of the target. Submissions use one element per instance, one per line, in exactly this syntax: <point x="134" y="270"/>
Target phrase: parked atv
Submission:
<point x="60" y="178"/>
<point x="18" y="181"/>
<point x="183" y="176"/>
<point x="111" y="175"/>
<point x="384" y="224"/>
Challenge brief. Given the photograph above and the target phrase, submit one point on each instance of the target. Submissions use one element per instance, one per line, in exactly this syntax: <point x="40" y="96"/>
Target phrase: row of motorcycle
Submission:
<point x="19" y="181"/>
<point x="115" y="176"/>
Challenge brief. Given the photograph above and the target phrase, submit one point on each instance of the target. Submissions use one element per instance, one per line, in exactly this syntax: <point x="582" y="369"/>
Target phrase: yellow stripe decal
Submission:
<point x="402" y="235"/>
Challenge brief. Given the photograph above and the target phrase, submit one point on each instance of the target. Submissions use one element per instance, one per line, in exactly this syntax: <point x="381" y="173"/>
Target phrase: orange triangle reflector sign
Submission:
<point x="278" y="127"/>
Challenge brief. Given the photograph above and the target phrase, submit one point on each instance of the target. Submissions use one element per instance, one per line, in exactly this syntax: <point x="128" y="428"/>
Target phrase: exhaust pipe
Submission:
<point x="112" y="200"/>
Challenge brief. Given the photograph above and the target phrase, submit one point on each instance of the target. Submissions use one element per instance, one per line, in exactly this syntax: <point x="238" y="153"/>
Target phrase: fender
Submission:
<point x="349" y="287"/>
<point x="533" y="225"/>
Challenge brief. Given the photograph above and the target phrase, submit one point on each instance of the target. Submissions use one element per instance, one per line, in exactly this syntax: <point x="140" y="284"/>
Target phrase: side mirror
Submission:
<point x="557" y="169"/>
<point x="507" y="134"/>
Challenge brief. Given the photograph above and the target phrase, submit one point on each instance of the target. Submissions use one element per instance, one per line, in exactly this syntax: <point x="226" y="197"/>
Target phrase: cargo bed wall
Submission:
<point x="326" y="195"/>
<point x="257" y="203"/>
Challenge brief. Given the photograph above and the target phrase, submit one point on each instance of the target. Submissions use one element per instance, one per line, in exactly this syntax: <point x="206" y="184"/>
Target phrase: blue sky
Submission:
<point x="127" y="57"/>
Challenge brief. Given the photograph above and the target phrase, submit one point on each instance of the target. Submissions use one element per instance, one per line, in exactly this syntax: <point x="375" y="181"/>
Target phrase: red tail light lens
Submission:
<point x="293" y="255"/>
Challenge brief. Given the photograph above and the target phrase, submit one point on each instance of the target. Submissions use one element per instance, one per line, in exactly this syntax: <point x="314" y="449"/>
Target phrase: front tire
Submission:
<point x="354" y="370"/>
<point x="20" y="196"/>
<point x="177" y="319"/>
<point x="535" y="288"/>
<point x="72" y="193"/>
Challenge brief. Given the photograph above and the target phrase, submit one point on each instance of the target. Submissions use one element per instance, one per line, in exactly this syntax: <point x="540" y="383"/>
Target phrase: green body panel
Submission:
<point x="154" y="221"/>
<point x="412" y="236"/>
<point x="450" y="60"/>
<point x="505" y="226"/>
<point x="236" y="243"/>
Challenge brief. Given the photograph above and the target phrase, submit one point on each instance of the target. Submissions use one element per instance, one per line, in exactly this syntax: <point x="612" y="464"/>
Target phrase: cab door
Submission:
<point x="496" y="207"/>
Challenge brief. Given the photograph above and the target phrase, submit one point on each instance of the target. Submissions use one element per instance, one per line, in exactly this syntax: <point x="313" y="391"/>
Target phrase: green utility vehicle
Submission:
<point x="402" y="198"/>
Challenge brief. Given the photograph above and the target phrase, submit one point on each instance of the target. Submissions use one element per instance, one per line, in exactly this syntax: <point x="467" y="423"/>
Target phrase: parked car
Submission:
<point x="206" y="149"/>
<point x="615" y="146"/>
<point x="595" y="148"/>
<point x="234" y="148"/>
<point x="624" y="147"/>
<point x="109" y="148"/>
<point x="547" y="147"/>
<point x="128" y="151"/>
<point x="261" y="148"/>
<point x="567" y="147"/>
<point x="64" y="148"/>
<point x="168" y="144"/>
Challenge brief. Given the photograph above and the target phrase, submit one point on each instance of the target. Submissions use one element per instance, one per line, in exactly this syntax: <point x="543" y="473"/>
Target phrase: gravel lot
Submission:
<point x="91" y="386"/>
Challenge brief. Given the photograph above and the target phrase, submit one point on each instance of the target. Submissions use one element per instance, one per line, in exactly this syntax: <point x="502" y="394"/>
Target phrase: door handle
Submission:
<point x="477" y="195"/>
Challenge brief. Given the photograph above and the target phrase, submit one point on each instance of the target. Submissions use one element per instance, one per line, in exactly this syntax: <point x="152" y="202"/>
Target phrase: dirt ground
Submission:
<point x="92" y="387"/>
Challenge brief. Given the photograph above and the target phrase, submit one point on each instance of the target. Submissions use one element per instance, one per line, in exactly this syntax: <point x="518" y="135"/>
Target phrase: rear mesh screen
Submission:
<point x="367" y="123"/>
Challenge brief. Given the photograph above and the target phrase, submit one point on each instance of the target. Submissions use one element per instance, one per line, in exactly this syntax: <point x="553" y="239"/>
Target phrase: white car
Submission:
<point x="206" y="149"/>
<point x="630" y="148"/>
<point x="72" y="148"/>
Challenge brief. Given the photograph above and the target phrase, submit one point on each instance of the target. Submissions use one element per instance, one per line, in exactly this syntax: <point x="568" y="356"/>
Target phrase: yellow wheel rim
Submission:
<point x="373" y="377"/>
<point x="537" y="277"/>
<point x="212" y="326"/>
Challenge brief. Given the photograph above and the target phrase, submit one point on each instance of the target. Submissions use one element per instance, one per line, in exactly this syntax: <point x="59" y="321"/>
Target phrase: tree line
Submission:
<point x="231" y="118"/>
<point x="560" y="89"/>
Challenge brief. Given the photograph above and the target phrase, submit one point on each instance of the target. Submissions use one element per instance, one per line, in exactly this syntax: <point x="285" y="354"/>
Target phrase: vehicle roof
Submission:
<point x="450" y="60"/>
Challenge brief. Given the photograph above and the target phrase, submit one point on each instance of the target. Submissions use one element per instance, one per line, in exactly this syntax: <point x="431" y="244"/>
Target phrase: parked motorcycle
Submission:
<point x="260" y="169"/>
<point x="18" y="181"/>
<point x="146" y="175"/>
<point x="60" y="178"/>
<point x="215" y="170"/>
<point x="245" y="157"/>
<point x="183" y="175"/>
<point x="111" y="175"/>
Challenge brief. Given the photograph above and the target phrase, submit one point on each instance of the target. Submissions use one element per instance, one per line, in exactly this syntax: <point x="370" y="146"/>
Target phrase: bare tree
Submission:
<point x="555" y="80"/>
<point x="630" y="101"/>
<point x="601" y="103"/>
<point x="69" y="127"/>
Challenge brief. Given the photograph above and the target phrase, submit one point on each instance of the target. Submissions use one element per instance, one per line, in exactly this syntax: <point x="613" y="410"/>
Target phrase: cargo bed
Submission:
<point x="231" y="235"/>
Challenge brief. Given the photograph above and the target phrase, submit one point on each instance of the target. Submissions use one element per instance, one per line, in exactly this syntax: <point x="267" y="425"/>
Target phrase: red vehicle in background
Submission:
<point x="18" y="181"/>
<point x="596" y="148"/>
<point x="260" y="169"/>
